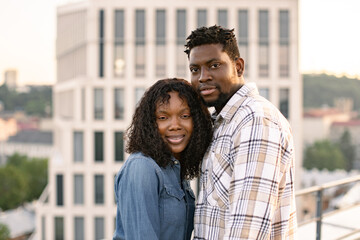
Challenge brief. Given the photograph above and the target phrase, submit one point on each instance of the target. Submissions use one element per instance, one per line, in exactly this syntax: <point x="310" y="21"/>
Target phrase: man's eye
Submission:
<point x="194" y="70"/>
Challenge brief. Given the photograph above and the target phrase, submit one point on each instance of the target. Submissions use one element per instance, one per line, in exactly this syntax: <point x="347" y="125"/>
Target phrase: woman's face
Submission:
<point x="175" y="123"/>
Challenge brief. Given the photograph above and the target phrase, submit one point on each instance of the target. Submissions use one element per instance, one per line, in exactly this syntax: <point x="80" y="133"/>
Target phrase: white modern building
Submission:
<point x="108" y="53"/>
<point x="10" y="77"/>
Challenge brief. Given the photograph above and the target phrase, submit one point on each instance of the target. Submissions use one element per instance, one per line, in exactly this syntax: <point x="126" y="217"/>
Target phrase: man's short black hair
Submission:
<point x="213" y="35"/>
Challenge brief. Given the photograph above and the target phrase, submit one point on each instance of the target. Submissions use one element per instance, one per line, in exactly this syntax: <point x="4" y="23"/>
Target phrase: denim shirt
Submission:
<point x="152" y="202"/>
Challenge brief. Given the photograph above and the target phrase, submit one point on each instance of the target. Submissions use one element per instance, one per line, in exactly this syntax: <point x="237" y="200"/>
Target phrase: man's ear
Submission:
<point x="239" y="63"/>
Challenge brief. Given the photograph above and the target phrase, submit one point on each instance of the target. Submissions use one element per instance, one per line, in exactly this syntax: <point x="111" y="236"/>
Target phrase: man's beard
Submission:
<point x="219" y="102"/>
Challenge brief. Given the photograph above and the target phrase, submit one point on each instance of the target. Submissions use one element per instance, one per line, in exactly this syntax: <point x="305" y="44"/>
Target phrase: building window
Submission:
<point x="119" y="103"/>
<point x="59" y="190"/>
<point x="43" y="228"/>
<point x="243" y="37"/>
<point x="99" y="146"/>
<point x="78" y="147"/>
<point x="83" y="106"/>
<point x="114" y="224"/>
<point x="181" y="60"/>
<point x="201" y="18"/>
<point x="114" y="191"/>
<point x="99" y="189"/>
<point x="119" y="146"/>
<point x="284" y="50"/>
<point x="160" y="50"/>
<point x="78" y="189"/>
<point x="98" y="103"/>
<point x="223" y="18"/>
<point x="99" y="228"/>
<point x="139" y="92"/>
<point x="263" y="43"/>
<point x="140" y="55"/>
<point x="119" y="54"/>
<point x="79" y="233"/>
<point x="59" y="228"/>
<point x="265" y="93"/>
<point x="101" y="42"/>
<point x="284" y="102"/>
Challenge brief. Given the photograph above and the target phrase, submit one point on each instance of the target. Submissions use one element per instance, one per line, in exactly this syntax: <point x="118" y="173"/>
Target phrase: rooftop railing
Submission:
<point x="319" y="190"/>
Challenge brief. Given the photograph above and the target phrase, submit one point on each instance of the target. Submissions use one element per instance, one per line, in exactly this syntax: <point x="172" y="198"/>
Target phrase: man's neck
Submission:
<point x="219" y="107"/>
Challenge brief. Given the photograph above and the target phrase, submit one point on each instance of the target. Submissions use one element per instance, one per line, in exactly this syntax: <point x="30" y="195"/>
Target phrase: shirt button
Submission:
<point x="176" y="162"/>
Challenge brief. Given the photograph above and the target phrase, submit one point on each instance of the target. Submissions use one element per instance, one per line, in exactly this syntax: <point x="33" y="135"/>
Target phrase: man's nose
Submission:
<point x="204" y="75"/>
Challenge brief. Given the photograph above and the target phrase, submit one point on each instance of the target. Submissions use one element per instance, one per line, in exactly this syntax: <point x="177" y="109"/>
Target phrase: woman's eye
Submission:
<point x="215" y="65"/>
<point x="161" y="117"/>
<point x="186" y="116"/>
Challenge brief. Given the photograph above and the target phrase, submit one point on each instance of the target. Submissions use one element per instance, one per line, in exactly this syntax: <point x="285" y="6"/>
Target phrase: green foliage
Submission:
<point x="35" y="102"/>
<point x="12" y="187"/>
<point x="324" y="155"/>
<point x="17" y="160"/>
<point x="22" y="180"/>
<point x="322" y="89"/>
<point x="348" y="149"/>
<point x="36" y="173"/>
<point x="4" y="232"/>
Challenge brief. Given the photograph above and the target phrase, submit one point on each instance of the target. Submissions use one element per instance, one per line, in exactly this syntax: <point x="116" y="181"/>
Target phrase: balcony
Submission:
<point x="332" y="218"/>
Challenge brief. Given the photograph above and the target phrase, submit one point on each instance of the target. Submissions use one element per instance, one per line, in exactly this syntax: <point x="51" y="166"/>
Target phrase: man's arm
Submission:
<point x="257" y="179"/>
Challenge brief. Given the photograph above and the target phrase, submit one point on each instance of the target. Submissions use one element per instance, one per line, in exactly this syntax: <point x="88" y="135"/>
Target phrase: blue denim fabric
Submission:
<point x="151" y="204"/>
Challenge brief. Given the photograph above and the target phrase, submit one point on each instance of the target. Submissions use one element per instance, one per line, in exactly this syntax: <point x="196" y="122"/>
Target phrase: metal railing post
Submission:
<point x="318" y="214"/>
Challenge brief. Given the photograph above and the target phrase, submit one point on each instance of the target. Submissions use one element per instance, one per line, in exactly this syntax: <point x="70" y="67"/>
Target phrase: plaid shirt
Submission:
<point x="247" y="180"/>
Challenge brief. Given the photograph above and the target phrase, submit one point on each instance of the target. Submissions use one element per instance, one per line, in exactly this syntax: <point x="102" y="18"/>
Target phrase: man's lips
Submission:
<point x="207" y="90"/>
<point x="175" y="139"/>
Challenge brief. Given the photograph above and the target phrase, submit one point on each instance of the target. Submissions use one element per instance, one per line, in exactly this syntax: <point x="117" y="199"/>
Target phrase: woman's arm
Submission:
<point x="137" y="194"/>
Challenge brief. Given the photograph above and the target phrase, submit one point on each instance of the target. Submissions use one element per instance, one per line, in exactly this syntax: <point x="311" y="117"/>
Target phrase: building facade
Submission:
<point x="10" y="77"/>
<point x="108" y="53"/>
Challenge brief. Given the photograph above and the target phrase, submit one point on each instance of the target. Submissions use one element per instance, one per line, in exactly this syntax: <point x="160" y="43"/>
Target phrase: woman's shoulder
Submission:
<point x="140" y="165"/>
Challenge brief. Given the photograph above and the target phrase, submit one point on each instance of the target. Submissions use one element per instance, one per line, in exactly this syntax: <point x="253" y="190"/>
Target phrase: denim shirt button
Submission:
<point x="176" y="162"/>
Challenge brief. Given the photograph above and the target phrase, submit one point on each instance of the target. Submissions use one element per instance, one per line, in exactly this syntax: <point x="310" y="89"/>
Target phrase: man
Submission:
<point x="247" y="175"/>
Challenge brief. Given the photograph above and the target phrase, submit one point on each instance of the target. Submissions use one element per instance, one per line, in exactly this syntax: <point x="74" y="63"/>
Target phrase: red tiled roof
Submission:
<point x="355" y="122"/>
<point x="321" y="112"/>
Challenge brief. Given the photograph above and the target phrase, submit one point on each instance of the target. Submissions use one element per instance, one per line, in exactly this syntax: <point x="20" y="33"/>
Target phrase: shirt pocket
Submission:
<point x="174" y="206"/>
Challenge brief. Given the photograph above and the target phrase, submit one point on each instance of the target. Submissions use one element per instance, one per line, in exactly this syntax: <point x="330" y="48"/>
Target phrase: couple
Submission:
<point x="246" y="155"/>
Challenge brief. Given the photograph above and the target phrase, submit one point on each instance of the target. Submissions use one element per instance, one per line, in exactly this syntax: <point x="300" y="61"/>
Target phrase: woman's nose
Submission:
<point x="174" y="124"/>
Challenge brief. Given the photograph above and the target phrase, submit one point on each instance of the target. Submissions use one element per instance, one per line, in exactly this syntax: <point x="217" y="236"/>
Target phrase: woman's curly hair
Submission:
<point x="213" y="35"/>
<point x="143" y="134"/>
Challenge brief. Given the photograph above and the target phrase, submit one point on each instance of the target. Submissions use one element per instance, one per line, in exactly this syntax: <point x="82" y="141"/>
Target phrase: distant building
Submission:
<point x="32" y="143"/>
<point x="317" y="123"/>
<point x="353" y="126"/>
<point x="10" y="77"/>
<point x="20" y="221"/>
<point x="108" y="53"/>
<point x="8" y="127"/>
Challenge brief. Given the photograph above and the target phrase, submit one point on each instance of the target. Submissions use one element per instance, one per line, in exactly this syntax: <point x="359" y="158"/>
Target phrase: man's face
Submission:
<point x="214" y="75"/>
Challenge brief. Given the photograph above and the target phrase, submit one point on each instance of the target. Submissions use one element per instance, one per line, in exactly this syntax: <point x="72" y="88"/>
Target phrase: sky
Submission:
<point x="329" y="39"/>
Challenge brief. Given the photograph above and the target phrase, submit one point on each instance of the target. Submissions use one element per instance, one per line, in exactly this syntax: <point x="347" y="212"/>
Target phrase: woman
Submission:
<point x="169" y="134"/>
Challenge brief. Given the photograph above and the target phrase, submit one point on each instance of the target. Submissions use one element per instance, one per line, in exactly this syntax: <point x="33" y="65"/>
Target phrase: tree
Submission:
<point x="13" y="187"/>
<point x="17" y="160"/>
<point x="4" y="232"/>
<point x="35" y="172"/>
<point x="324" y="155"/>
<point x="347" y="149"/>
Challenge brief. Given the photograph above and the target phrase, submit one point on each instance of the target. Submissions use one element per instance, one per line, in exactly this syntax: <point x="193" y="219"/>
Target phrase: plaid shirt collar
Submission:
<point x="235" y="102"/>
